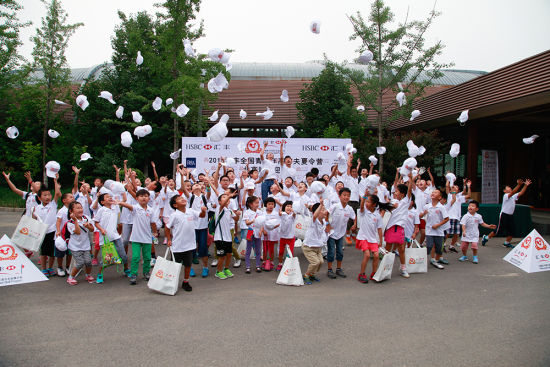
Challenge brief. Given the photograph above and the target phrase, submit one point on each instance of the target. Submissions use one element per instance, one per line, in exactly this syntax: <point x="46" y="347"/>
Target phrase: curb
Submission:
<point x="9" y="209"/>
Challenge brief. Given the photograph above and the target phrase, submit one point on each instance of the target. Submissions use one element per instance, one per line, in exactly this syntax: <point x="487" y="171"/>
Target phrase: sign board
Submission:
<point x="15" y="266"/>
<point x="531" y="255"/>
<point x="200" y="153"/>
<point x="489" y="177"/>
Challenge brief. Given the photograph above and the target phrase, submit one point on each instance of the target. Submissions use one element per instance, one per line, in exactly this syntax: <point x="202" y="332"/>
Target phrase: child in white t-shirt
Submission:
<point x="178" y="229"/>
<point x="62" y="218"/>
<point x="315" y="238"/>
<point x="288" y="217"/>
<point x="253" y="233"/>
<point x="455" y="199"/>
<point x="79" y="243"/>
<point x="436" y="217"/>
<point x="340" y="215"/>
<point x="272" y="235"/>
<point x="470" y="230"/>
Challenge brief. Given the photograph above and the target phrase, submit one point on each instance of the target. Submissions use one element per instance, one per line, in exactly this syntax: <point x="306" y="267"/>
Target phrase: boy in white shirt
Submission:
<point x="455" y="199"/>
<point x="31" y="198"/>
<point x="470" y="230"/>
<point x="506" y="220"/>
<point x="351" y="181"/>
<point x="435" y="216"/>
<point x="180" y="224"/>
<point x="62" y="218"/>
<point x="222" y="236"/>
<point x="340" y="215"/>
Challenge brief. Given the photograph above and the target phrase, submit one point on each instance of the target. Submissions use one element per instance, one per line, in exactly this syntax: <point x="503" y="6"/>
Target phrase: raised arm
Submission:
<point x="155" y="171"/>
<point x="410" y="185"/>
<point x="263" y="151"/>
<point x="467" y="192"/>
<point x="431" y="177"/>
<point x="527" y="183"/>
<point x="282" y="155"/>
<point x="57" y="186"/>
<point x="358" y="165"/>
<point x="75" y="183"/>
<point x="350" y="159"/>
<point x="117" y="173"/>
<point x="216" y="176"/>
<point x="516" y="189"/>
<point x="11" y="185"/>
<point x="317" y="213"/>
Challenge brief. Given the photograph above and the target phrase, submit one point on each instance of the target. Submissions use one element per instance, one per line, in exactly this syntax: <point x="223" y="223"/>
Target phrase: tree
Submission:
<point x="326" y="105"/>
<point x="401" y="60"/>
<point x="50" y="43"/>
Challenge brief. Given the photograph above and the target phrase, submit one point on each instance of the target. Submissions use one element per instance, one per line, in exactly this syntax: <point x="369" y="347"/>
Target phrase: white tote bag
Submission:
<point x="29" y="233"/>
<point x="302" y="224"/>
<point x="291" y="274"/>
<point x="242" y="249"/>
<point x="416" y="259"/>
<point x="385" y="268"/>
<point x="165" y="277"/>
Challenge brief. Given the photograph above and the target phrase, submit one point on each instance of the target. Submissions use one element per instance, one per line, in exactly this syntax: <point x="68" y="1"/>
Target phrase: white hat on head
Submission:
<point x="52" y="169"/>
<point x="12" y="132"/>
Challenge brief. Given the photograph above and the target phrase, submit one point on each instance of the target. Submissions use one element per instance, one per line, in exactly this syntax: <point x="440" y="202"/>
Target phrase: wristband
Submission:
<point x="365" y="197"/>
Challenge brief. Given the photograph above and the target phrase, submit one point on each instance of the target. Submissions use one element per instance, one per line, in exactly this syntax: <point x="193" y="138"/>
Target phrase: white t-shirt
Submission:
<point x="412" y="220"/>
<point x="273" y="234"/>
<point x="83" y="200"/>
<point x="316" y="235"/>
<point x="270" y="166"/>
<point x="250" y="214"/>
<point x="454" y="210"/>
<point x="287" y="225"/>
<point x="126" y="214"/>
<point x="382" y="193"/>
<point x="108" y="220"/>
<point x="280" y="198"/>
<point x="339" y="217"/>
<point x="198" y="203"/>
<point x="47" y="213"/>
<point x="509" y="204"/>
<point x="472" y="223"/>
<point x="80" y="242"/>
<point x="421" y="198"/>
<point x="399" y="214"/>
<point x="370" y="222"/>
<point x="223" y="229"/>
<point x="165" y="200"/>
<point x="435" y="215"/>
<point x="287" y="172"/>
<point x="141" y="229"/>
<point x="63" y="215"/>
<point x="182" y="227"/>
<point x="352" y="184"/>
<point x="30" y="203"/>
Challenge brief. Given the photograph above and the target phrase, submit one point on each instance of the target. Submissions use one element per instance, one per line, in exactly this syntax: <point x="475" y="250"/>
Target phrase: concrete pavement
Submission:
<point x="465" y="315"/>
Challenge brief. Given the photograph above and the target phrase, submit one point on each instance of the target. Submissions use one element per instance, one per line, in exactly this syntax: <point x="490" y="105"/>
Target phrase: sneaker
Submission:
<point x="508" y="245"/>
<point x="341" y="273"/>
<point x="127" y="273"/>
<point x="60" y="272"/>
<point x="90" y="279"/>
<point x="247" y="271"/>
<point x="51" y="272"/>
<point x="348" y="240"/>
<point x="153" y="261"/>
<point x="484" y="240"/>
<point x="463" y="258"/>
<point x="67" y="271"/>
<point x="404" y="273"/>
<point x="362" y="278"/>
<point x="186" y="286"/>
<point x="214" y="263"/>
<point x="71" y="281"/>
<point x="475" y="260"/>
<point x="445" y="249"/>
<point x="307" y="280"/>
<point x="146" y="276"/>
<point x="133" y="280"/>
<point x="99" y="279"/>
<point x="453" y="249"/>
<point x="95" y="262"/>
<point x="279" y="267"/>
<point x="436" y="264"/>
<point x="195" y="260"/>
<point x="372" y="275"/>
<point x="46" y="272"/>
<point x="237" y="240"/>
<point x="165" y="241"/>
<point x="331" y="274"/>
<point x="228" y="273"/>
<point x="314" y="278"/>
<point x="205" y="272"/>
<point x="220" y="275"/>
<point x="237" y="263"/>
<point x="258" y="270"/>
<point x="443" y="261"/>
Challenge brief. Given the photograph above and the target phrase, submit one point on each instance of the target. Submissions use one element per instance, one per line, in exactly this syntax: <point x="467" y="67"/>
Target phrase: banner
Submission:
<point x="200" y="153"/>
<point x="15" y="266"/>
<point x="489" y="177"/>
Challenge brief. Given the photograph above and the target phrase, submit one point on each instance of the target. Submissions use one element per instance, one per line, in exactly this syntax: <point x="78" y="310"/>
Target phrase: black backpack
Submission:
<point x="193" y="198"/>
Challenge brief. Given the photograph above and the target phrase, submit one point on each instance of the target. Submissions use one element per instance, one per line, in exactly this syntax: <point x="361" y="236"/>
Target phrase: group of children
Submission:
<point x="261" y="207"/>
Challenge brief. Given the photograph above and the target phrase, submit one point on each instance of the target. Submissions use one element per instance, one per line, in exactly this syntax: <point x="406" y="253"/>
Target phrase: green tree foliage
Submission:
<point x="50" y="43"/>
<point x="401" y="58"/>
<point x="31" y="155"/>
<point x="326" y="105"/>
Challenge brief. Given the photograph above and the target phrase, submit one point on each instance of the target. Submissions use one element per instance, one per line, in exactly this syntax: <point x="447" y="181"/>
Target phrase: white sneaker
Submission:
<point x="237" y="263"/>
<point x="153" y="261"/>
<point x="404" y="273"/>
<point x="436" y="264"/>
<point x="214" y="263"/>
<point x="60" y="272"/>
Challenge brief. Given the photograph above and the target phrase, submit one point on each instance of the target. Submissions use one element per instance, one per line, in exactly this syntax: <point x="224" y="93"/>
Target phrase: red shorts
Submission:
<point x="422" y="224"/>
<point x="363" y="245"/>
<point x="395" y="235"/>
<point x="282" y="245"/>
<point x="96" y="240"/>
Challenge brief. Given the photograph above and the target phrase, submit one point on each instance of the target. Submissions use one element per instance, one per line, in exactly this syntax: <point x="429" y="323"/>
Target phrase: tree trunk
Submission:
<point x="45" y="139"/>
<point x="175" y="146"/>
<point x="379" y="115"/>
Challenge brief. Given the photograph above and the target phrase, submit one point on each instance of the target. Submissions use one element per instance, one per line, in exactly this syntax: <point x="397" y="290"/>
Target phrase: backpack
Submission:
<point x="193" y="198"/>
<point x="66" y="234"/>
<point x="213" y="223"/>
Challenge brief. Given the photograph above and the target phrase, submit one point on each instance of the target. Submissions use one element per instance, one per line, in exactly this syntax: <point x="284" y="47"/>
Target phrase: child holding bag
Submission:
<point x="253" y="234"/>
<point x="288" y="217"/>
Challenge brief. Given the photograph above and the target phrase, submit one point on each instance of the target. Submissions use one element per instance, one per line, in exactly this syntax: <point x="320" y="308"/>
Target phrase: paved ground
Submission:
<point x="491" y="314"/>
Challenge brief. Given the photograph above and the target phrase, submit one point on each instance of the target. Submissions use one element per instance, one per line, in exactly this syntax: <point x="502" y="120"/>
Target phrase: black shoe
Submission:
<point x="314" y="278"/>
<point x="258" y="270"/>
<point x="453" y="249"/>
<point x="133" y="280"/>
<point x="341" y="273"/>
<point x="331" y="274"/>
<point x="186" y="286"/>
<point x="146" y="276"/>
<point x="247" y="271"/>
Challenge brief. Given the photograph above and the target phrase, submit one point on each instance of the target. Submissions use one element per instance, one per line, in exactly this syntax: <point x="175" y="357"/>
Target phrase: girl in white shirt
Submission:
<point x="79" y="242"/>
<point x="271" y="236"/>
<point x="288" y="217"/>
<point x="315" y="238"/>
<point x="253" y="234"/>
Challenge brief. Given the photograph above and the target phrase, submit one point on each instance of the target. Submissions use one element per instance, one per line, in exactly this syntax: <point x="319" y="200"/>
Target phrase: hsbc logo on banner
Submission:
<point x="323" y="148"/>
<point x="207" y="146"/>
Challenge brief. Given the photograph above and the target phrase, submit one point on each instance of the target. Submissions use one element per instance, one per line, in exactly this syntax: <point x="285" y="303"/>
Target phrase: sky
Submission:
<point x="478" y="35"/>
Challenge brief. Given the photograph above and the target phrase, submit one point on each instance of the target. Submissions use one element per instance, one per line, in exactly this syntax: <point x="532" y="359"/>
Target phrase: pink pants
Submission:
<point x="464" y="245"/>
